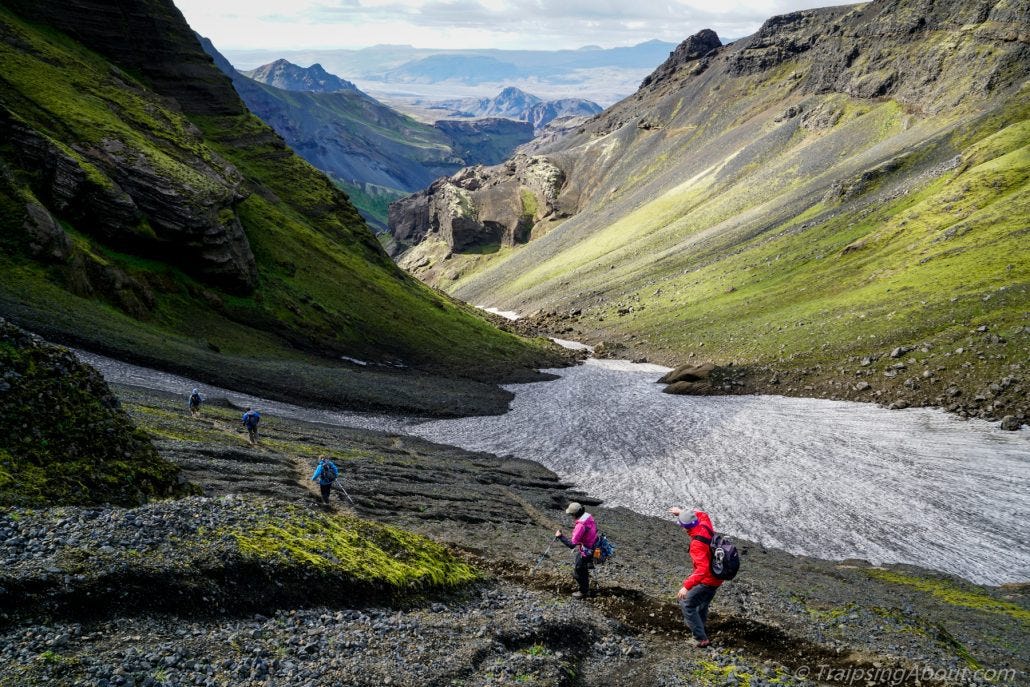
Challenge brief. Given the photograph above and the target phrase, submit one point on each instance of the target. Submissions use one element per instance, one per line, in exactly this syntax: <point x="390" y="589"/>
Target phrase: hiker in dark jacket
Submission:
<point x="699" y="589"/>
<point x="251" y="418"/>
<point x="584" y="537"/>
<point x="325" y="474"/>
<point x="195" y="401"/>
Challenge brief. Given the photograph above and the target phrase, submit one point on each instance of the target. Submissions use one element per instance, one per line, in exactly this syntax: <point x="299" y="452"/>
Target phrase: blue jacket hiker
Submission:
<point x="251" y="418"/>
<point x="326" y="473"/>
<point x="195" y="400"/>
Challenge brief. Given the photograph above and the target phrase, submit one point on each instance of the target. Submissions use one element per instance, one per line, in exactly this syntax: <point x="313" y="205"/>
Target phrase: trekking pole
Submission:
<point x="542" y="556"/>
<point x="346" y="494"/>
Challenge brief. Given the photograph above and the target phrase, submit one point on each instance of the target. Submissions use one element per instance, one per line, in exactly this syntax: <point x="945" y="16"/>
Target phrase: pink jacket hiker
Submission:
<point x="584" y="534"/>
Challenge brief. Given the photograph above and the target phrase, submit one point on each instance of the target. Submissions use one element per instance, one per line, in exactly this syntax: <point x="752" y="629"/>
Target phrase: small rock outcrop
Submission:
<point x="694" y="48"/>
<point x="64" y="439"/>
<point x="481" y="205"/>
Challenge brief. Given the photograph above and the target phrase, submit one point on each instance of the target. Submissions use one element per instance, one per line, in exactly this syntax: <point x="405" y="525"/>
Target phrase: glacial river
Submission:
<point x="822" y="478"/>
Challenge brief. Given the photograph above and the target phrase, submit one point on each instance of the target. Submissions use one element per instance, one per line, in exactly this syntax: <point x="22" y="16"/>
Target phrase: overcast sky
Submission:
<point x="511" y="24"/>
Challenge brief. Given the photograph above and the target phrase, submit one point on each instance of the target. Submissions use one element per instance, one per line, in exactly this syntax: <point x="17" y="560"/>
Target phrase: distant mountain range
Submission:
<point x="602" y="75"/>
<point x="373" y="152"/>
<point x="514" y="103"/>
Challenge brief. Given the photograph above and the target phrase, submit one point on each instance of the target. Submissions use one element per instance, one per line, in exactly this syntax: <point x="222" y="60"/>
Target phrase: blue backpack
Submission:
<point x="329" y="470"/>
<point x="603" y="549"/>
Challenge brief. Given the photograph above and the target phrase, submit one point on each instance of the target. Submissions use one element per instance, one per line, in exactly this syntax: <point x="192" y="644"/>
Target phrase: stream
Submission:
<point x="829" y="479"/>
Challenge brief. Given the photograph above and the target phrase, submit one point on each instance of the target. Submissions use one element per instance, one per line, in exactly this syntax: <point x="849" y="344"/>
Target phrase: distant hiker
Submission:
<point x="699" y="589"/>
<point x="251" y="418"/>
<point x="584" y="537"/>
<point x="325" y="473"/>
<point x="195" y="401"/>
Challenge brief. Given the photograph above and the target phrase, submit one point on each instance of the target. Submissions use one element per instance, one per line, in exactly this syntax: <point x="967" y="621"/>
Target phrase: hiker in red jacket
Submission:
<point x="584" y="538"/>
<point x="699" y="589"/>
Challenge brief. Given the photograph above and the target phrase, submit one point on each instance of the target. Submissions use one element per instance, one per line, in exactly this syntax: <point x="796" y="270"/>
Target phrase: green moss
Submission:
<point x="710" y="673"/>
<point x="356" y="549"/>
<point x="530" y="205"/>
<point x="955" y="594"/>
<point x="63" y="438"/>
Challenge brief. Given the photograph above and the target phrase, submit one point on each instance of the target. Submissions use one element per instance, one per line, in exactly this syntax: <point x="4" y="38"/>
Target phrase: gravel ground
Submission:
<point x="165" y="604"/>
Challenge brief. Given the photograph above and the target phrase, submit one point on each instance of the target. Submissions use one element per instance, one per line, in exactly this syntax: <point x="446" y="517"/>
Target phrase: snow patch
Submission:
<point x="506" y="314"/>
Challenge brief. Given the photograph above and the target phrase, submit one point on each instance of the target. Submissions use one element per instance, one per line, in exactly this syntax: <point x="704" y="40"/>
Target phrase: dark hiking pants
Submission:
<point x="326" y="490"/>
<point x="581" y="572"/>
<point x="695" y="609"/>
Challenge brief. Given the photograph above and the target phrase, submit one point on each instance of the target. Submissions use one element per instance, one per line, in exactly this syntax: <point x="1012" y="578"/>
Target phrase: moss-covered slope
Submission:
<point x="844" y="183"/>
<point x="147" y="214"/>
<point x="64" y="438"/>
<point x="211" y="556"/>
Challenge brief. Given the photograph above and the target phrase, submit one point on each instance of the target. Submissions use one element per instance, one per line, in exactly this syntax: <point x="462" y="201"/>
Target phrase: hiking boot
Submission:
<point x="704" y="644"/>
<point x="578" y="595"/>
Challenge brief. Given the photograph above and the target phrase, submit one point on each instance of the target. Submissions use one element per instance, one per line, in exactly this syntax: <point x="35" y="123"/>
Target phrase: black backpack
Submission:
<point x="723" y="557"/>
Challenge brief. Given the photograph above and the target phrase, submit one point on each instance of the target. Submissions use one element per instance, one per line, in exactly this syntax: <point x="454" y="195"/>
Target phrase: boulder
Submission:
<point x="1011" y="423"/>
<point x="688" y="373"/>
<point x="687" y="388"/>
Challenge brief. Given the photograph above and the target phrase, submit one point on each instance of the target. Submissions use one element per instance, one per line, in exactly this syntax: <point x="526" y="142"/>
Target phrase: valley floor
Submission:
<point x="785" y="619"/>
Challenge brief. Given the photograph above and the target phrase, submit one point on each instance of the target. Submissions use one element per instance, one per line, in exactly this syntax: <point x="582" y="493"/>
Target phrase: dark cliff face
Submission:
<point x="148" y="37"/>
<point x="146" y="187"/>
<point x="861" y="51"/>
<point x="146" y="213"/>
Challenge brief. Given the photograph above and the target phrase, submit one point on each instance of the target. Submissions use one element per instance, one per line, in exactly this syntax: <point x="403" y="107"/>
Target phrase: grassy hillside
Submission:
<point x="195" y="240"/>
<point x="801" y="207"/>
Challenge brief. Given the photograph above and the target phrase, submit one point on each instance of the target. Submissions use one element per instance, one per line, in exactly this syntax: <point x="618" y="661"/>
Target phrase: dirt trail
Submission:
<point x="661" y="621"/>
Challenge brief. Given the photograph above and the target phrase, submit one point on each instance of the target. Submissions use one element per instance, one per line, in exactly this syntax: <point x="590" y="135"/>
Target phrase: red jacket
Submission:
<point x="700" y="554"/>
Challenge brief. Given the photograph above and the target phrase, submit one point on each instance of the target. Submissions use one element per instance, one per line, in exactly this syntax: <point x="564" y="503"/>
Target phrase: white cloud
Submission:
<point x="530" y="24"/>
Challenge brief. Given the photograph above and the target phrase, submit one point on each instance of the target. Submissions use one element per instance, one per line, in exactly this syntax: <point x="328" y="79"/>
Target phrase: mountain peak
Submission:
<point x="287" y="76"/>
<point x="514" y="92"/>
